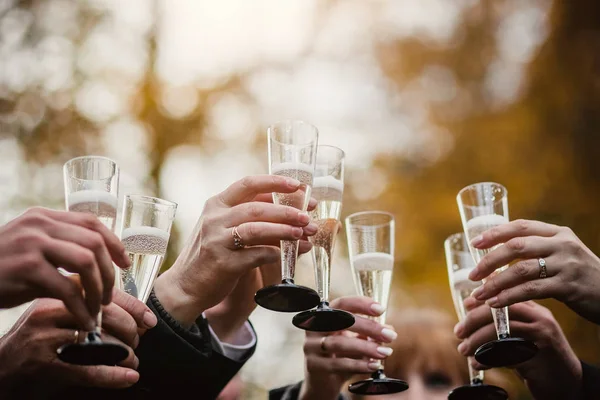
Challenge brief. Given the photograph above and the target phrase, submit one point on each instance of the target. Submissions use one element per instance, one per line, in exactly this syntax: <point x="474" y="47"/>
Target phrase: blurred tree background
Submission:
<point x="425" y="98"/>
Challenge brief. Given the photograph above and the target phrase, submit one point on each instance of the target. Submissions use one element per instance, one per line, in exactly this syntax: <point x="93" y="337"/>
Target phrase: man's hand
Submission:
<point x="35" y="244"/>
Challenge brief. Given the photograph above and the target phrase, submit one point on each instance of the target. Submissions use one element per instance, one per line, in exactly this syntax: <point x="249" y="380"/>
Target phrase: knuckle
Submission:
<point x="530" y="288"/>
<point x="95" y="241"/>
<point x="255" y="211"/>
<point x="493" y="233"/>
<point x="520" y="269"/>
<point x="247" y="182"/>
<point x="85" y="258"/>
<point x="522" y="225"/>
<point x="252" y="231"/>
<point x="517" y="245"/>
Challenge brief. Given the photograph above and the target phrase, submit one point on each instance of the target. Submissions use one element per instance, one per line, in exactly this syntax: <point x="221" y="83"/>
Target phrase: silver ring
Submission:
<point x="543" y="271"/>
<point x="76" y="339"/>
<point x="238" y="243"/>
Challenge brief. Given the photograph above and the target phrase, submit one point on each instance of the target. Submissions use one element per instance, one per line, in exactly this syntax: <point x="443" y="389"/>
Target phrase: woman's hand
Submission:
<point x="211" y="266"/>
<point x="34" y="245"/>
<point x="331" y="359"/>
<point x="28" y="351"/>
<point x="553" y="373"/>
<point x="573" y="271"/>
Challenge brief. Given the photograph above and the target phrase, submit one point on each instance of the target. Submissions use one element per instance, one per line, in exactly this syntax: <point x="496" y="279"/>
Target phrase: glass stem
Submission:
<point x="475" y="376"/>
<point x="501" y="321"/>
<point x="289" y="255"/>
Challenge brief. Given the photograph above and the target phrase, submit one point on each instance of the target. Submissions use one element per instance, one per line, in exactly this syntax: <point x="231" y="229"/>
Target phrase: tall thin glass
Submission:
<point x="370" y="237"/>
<point x="91" y="186"/>
<point x="459" y="263"/>
<point x="483" y="206"/>
<point x="328" y="190"/>
<point x="145" y="231"/>
<point x="292" y="153"/>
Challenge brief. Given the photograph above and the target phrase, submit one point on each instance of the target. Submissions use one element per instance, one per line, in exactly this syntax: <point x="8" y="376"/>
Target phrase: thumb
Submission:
<point x="105" y="377"/>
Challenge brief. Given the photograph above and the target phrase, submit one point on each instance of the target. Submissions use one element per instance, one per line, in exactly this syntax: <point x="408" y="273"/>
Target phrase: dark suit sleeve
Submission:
<point x="291" y="392"/>
<point x="590" y="382"/>
<point x="173" y="360"/>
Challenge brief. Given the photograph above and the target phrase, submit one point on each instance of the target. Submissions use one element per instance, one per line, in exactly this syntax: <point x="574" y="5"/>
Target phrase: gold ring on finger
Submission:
<point x="238" y="242"/>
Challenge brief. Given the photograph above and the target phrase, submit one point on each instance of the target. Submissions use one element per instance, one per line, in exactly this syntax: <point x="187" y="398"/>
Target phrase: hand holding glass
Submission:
<point x="483" y="206"/>
<point x="328" y="190"/>
<point x="460" y="263"/>
<point x="371" y="249"/>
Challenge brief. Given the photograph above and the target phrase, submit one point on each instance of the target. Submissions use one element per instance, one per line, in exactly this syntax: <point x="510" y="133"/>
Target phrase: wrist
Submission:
<point x="226" y="325"/>
<point x="182" y="305"/>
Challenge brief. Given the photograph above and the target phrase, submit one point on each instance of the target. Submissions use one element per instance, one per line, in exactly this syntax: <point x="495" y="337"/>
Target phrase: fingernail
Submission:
<point x="389" y="334"/>
<point x="474" y="275"/>
<point x="150" y="319"/>
<point x="462" y="348"/>
<point x="373" y="366"/>
<point x="477" y="292"/>
<point x="136" y="362"/>
<point x="385" y="351"/>
<point x="477" y="241"/>
<point x="311" y="228"/>
<point x="127" y="259"/>
<point x="492" y="302"/>
<point x="303" y="217"/>
<point x="377" y="308"/>
<point x="458" y="329"/>
<point x="297" y="232"/>
<point x="312" y="202"/>
<point x="293" y="183"/>
<point x="132" y="376"/>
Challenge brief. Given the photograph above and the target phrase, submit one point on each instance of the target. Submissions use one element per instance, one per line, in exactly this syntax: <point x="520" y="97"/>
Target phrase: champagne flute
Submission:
<point x="91" y="186"/>
<point x="460" y="263"/>
<point x="371" y="248"/>
<point x="483" y="206"/>
<point x="292" y="153"/>
<point x="145" y="231"/>
<point x="328" y="190"/>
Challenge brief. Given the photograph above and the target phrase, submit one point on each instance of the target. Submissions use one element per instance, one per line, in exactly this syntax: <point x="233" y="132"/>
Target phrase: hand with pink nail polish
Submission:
<point x="331" y="359"/>
<point x="554" y="373"/>
<point x="545" y="261"/>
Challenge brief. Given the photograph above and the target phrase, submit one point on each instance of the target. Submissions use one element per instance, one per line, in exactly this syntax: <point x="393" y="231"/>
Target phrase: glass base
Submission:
<point x="505" y="352"/>
<point x="479" y="391"/>
<point x="323" y="319"/>
<point x="378" y="384"/>
<point x="287" y="297"/>
<point x="92" y="352"/>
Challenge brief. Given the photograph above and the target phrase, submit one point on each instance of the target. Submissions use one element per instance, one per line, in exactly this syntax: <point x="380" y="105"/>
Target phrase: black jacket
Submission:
<point x="173" y="361"/>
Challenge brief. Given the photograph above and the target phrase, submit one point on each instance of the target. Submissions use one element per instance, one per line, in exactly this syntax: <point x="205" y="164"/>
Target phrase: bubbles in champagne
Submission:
<point x="301" y="172"/>
<point x="145" y="240"/>
<point x="482" y="223"/>
<point x="373" y="276"/>
<point x="100" y="203"/>
<point x="146" y="247"/>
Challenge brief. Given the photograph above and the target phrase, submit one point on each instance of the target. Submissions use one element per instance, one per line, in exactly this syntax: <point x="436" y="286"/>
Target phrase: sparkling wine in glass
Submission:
<point x="145" y="232"/>
<point x="483" y="206"/>
<point x="328" y="190"/>
<point x="91" y="186"/>
<point x="370" y="237"/>
<point x="459" y="264"/>
<point x="292" y="153"/>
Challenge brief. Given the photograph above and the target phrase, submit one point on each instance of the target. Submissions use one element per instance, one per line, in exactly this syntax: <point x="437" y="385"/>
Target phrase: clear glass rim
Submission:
<point x="466" y="188"/>
<point x="341" y="152"/>
<point x="89" y="157"/>
<point x="349" y="223"/>
<point x="293" y="122"/>
<point x="155" y="201"/>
